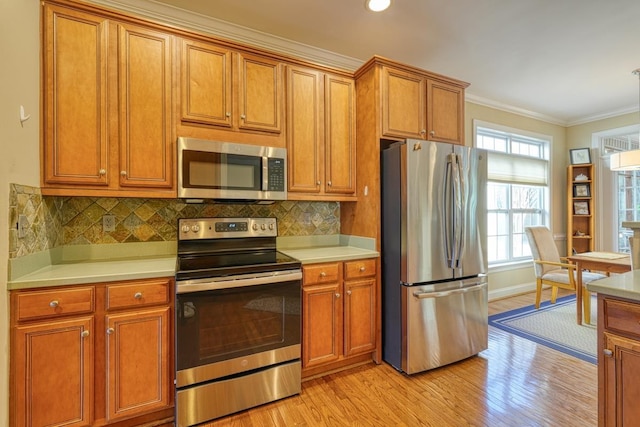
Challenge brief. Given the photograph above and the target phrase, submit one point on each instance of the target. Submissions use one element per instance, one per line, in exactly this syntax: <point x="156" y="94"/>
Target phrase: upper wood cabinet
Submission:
<point x="417" y="106"/>
<point x="107" y="92"/>
<point x="232" y="90"/>
<point x="321" y="138"/>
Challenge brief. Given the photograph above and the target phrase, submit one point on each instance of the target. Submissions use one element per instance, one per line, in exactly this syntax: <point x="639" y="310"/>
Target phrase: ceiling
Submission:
<point x="566" y="62"/>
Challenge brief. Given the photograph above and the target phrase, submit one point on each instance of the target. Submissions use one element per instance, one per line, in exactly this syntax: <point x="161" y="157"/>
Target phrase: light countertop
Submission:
<point x="625" y="285"/>
<point x="83" y="264"/>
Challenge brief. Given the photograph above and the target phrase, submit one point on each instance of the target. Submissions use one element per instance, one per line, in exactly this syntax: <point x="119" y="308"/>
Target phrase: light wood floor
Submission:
<point x="514" y="382"/>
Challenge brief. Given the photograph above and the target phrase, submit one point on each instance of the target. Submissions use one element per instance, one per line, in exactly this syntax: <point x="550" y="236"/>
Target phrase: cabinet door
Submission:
<point x="260" y="94"/>
<point x="146" y="154"/>
<point x="359" y="316"/>
<point x="138" y="350"/>
<point x="53" y="373"/>
<point x="340" y="135"/>
<point x="305" y="136"/>
<point x="445" y="113"/>
<point x="322" y="324"/>
<point x="403" y="104"/>
<point x="621" y="385"/>
<point x="75" y="98"/>
<point x="206" y="84"/>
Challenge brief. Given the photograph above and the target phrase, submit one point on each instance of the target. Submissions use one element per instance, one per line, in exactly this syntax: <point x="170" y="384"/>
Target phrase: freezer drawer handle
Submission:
<point x="422" y="295"/>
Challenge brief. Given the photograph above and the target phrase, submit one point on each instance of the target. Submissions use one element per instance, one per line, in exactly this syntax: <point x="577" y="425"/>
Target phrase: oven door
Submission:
<point x="236" y="325"/>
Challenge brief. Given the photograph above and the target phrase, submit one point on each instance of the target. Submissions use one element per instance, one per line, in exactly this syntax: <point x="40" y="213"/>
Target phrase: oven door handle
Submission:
<point x="238" y="282"/>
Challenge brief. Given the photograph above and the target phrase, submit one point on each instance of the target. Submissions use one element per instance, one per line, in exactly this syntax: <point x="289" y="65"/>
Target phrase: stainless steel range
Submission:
<point x="237" y="318"/>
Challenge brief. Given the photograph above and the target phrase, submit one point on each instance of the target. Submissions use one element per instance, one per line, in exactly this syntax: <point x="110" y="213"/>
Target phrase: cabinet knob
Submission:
<point x="102" y="172"/>
<point x="362" y="269"/>
<point x="84" y="334"/>
<point x="323" y="274"/>
<point x="329" y="183"/>
<point x="123" y="173"/>
<point x="337" y="295"/>
<point x="243" y="116"/>
<point x="53" y="304"/>
<point x="607" y="352"/>
<point x="137" y="295"/>
<point x="433" y="132"/>
<point x="423" y="131"/>
<point x="318" y="182"/>
<point x="110" y="331"/>
<point x="349" y="292"/>
<point x="228" y="114"/>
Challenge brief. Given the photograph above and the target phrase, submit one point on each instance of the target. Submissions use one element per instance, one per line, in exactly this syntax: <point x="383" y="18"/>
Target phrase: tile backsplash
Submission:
<point x="54" y="221"/>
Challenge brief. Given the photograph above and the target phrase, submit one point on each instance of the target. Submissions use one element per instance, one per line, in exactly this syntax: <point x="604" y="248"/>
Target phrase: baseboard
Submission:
<point x="511" y="291"/>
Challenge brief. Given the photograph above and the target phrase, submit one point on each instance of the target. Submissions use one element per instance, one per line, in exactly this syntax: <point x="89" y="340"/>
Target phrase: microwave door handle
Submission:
<point x="265" y="173"/>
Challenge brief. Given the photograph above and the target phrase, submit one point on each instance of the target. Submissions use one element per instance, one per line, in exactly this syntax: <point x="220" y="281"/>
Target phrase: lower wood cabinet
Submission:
<point x="618" y="362"/>
<point x="339" y="323"/>
<point x="92" y="355"/>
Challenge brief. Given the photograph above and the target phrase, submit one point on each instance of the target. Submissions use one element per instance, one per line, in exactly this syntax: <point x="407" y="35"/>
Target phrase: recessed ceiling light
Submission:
<point x="377" y="5"/>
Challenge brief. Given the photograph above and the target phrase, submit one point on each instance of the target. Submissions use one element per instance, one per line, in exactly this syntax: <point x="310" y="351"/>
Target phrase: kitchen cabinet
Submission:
<point x="581" y="209"/>
<point x="102" y="353"/>
<point x="107" y="94"/>
<point x="228" y="90"/>
<point x="339" y="314"/>
<point x="418" y="106"/>
<point x="618" y="361"/>
<point x="321" y="139"/>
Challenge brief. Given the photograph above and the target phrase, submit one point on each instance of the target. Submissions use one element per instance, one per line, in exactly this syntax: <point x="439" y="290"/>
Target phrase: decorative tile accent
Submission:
<point x="56" y="221"/>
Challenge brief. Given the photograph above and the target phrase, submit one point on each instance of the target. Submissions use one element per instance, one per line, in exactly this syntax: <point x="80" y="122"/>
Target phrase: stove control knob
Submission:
<point x="263" y="227"/>
<point x="255" y="226"/>
<point x="185" y="228"/>
<point x="195" y="228"/>
<point x="271" y="227"/>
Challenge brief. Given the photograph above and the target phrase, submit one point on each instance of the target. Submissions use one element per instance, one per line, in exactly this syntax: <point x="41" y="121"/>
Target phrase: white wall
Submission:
<point x="19" y="145"/>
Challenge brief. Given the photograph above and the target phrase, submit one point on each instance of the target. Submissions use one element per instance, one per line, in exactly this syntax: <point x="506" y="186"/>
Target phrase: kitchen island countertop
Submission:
<point x="625" y="285"/>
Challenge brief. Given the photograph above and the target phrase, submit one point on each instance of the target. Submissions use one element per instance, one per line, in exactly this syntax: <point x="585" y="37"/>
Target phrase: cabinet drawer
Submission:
<point x="359" y="268"/>
<point x="321" y="273"/>
<point x="621" y="316"/>
<point x="54" y="303"/>
<point x="138" y="294"/>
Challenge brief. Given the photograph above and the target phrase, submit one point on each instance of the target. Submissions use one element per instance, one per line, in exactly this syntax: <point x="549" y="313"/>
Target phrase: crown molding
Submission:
<point x="171" y="15"/>
<point x="514" y="110"/>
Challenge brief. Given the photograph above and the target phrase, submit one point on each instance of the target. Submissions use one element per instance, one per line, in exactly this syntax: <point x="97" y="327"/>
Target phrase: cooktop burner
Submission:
<point x="215" y="247"/>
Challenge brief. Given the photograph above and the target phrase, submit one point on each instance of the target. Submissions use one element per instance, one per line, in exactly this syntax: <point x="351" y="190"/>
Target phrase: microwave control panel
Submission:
<point x="275" y="174"/>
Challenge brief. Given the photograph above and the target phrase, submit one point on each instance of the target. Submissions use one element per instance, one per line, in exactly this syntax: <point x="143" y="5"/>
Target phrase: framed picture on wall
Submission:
<point x="581" y="190"/>
<point x="580" y="208"/>
<point x="580" y="156"/>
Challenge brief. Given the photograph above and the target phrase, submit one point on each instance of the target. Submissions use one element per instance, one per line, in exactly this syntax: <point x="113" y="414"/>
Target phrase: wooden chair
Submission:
<point x="554" y="271"/>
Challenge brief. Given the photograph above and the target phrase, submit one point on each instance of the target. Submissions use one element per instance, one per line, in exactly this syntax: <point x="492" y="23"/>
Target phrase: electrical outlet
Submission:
<point x="108" y="223"/>
<point x="22" y="226"/>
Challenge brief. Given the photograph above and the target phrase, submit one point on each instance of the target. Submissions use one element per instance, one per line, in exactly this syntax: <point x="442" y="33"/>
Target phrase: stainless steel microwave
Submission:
<point x="229" y="171"/>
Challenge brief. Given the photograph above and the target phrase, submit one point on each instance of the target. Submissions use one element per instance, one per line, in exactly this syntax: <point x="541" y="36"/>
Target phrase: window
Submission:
<point x="517" y="189"/>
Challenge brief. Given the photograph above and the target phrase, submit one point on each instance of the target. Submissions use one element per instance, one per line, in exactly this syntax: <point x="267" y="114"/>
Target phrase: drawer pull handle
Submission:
<point x="362" y="269"/>
<point x="323" y="274"/>
<point x="84" y="334"/>
<point x="138" y="295"/>
<point x="53" y="304"/>
<point x="607" y="352"/>
<point x="110" y="331"/>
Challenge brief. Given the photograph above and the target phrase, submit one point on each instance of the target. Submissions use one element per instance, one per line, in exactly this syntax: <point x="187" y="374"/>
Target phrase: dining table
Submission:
<point x="599" y="262"/>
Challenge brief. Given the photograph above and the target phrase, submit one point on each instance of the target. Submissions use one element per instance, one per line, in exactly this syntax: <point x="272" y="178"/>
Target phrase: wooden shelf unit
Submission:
<point x="581" y="208"/>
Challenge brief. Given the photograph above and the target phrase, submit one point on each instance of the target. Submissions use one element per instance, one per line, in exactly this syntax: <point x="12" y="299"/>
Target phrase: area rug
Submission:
<point x="554" y="326"/>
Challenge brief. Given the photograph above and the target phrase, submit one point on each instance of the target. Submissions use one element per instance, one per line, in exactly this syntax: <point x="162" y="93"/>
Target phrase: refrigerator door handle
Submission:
<point x="458" y="212"/>
<point x="423" y="295"/>
<point x="449" y="220"/>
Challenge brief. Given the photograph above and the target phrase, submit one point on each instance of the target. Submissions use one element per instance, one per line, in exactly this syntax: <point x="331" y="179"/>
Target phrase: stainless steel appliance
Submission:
<point x="229" y="171"/>
<point x="237" y="318"/>
<point x="434" y="254"/>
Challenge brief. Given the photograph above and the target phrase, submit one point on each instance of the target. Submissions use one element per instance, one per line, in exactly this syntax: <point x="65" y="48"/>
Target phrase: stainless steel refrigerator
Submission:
<point x="434" y="290"/>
